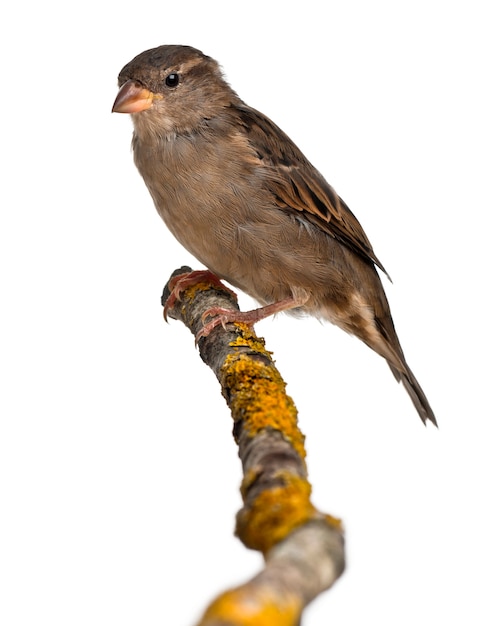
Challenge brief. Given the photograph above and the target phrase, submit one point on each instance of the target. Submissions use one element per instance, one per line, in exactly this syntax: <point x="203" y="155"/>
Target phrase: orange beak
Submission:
<point x="133" y="98"/>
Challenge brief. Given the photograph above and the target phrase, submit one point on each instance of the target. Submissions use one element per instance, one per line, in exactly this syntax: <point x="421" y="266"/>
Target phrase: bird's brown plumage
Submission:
<point x="243" y="199"/>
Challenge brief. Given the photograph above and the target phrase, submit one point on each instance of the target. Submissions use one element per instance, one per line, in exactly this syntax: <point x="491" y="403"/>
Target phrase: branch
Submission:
<point x="303" y="548"/>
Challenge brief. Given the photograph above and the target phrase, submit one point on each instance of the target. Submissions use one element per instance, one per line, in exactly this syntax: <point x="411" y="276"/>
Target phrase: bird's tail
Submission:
<point x="415" y="391"/>
<point x="386" y="344"/>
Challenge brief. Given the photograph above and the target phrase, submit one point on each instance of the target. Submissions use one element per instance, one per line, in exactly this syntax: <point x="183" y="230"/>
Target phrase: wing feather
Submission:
<point x="297" y="185"/>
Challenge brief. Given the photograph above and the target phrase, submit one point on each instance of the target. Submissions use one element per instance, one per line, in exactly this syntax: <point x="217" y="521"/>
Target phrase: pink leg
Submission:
<point x="223" y="316"/>
<point x="181" y="282"/>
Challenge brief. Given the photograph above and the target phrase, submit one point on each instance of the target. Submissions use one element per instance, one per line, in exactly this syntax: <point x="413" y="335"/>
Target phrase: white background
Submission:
<point x="118" y="473"/>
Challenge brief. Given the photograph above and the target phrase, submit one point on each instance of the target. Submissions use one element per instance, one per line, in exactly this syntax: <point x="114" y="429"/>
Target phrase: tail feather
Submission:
<point x="387" y="344"/>
<point x="415" y="392"/>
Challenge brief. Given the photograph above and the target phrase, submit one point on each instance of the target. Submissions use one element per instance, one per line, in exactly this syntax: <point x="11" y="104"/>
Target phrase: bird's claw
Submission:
<point x="220" y="316"/>
<point x="180" y="283"/>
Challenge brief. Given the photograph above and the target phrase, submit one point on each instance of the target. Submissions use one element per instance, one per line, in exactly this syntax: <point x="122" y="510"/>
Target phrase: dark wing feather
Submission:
<point x="298" y="186"/>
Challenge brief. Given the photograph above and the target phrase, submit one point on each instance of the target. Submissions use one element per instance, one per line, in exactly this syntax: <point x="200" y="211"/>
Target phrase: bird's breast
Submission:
<point x="212" y="199"/>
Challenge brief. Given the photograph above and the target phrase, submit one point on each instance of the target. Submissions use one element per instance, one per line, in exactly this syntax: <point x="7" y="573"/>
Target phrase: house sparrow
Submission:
<point x="243" y="199"/>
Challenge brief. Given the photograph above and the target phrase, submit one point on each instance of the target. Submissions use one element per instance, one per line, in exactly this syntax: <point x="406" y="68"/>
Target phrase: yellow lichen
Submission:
<point x="254" y="606"/>
<point x="249" y="339"/>
<point x="275" y="513"/>
<point x="334" y="522"/>
<point x="201" y="286"/>
<point x="257" y="396"/>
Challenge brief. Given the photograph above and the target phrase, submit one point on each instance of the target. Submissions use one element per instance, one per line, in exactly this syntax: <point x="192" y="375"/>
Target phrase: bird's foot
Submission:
<point x="180" y="283"/>
<point x="223" y="316"/>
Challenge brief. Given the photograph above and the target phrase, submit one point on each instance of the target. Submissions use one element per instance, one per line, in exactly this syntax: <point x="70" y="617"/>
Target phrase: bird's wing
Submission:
<point x="298" y="186"/>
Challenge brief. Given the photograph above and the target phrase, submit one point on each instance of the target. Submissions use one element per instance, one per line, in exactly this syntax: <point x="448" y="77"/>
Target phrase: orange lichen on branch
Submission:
<point x="275" y="513"/>
<point x="257" y="606"/>
<point x="276" y="494"/>
<point x="257" y="396"/>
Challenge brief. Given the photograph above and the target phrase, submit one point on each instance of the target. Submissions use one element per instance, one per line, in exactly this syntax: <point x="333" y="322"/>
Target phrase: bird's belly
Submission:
<point x="259" y="249"/>
<point x="235" y="250"/>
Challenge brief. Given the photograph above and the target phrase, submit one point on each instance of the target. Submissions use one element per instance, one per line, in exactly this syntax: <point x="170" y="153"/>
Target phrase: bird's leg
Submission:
<point x="223" y="316"/>
<point x="181" y="282"/>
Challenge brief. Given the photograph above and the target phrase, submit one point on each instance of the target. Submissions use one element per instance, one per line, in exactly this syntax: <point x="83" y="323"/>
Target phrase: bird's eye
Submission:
<point x="172" y="80"/>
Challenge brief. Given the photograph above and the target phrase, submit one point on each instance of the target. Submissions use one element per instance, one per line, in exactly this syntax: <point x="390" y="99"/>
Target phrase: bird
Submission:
<point x="243" y="199"/>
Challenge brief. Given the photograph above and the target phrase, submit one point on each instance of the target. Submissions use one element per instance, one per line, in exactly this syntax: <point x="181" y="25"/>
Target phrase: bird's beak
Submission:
<point x="133" y="98"/>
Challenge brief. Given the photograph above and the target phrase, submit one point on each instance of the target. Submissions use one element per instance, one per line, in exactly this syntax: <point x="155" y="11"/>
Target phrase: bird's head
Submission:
<point x="171" y="89"/>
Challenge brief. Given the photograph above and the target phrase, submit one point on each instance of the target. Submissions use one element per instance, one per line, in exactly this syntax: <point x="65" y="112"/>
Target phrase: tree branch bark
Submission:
<point x="303" y="548"/>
